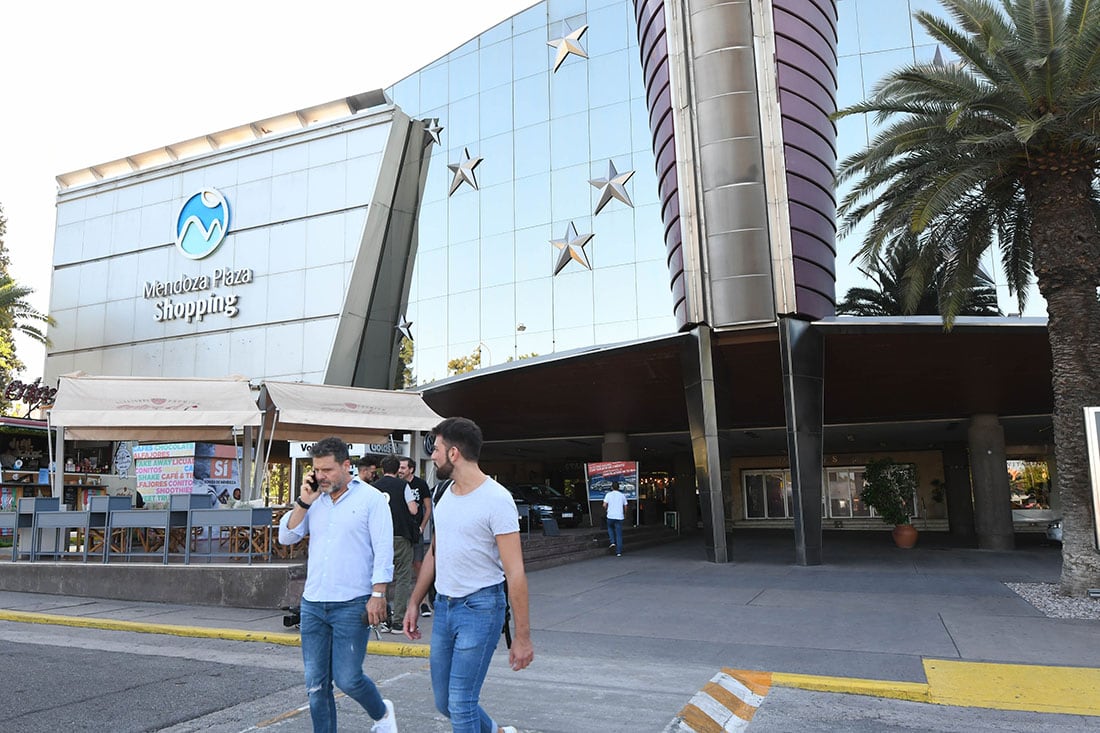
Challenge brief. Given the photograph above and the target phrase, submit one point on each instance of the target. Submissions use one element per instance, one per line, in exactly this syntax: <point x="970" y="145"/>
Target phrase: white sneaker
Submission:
<point x="508" y="729"/>
<point x="387" y="724"/>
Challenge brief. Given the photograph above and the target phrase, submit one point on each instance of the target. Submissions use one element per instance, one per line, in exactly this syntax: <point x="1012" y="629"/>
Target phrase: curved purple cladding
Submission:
<point x="806" y="63"/>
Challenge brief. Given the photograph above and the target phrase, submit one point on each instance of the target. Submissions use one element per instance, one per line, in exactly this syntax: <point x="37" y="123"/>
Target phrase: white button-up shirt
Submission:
<point x="350" y="543"/>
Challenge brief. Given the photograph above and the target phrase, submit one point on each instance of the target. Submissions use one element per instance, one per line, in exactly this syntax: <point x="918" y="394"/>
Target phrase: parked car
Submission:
<point x="547" y="502"/>
<point x="1054" y="531"/>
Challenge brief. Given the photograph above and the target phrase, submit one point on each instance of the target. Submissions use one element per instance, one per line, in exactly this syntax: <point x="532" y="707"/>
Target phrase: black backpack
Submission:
<point x="437" y="494"/>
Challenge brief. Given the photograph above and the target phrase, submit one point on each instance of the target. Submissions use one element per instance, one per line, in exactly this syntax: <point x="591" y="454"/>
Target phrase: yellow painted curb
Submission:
<point x="914" y="691"/>
<point x="383" y="648"/>
<point x="1034" y="688"/>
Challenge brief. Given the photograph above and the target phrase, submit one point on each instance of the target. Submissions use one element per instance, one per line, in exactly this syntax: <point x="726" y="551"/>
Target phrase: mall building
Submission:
<point x="621" y="213"/>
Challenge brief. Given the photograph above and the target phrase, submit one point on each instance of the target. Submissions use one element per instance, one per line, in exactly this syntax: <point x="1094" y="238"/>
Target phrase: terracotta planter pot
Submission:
<point x="905" y="536"/>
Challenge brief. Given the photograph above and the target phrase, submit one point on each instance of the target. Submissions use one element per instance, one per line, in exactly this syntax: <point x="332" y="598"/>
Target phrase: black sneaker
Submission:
<point x="611" y="546"/>
<point x="383" y="627"/>
<point x="425" y="609"/>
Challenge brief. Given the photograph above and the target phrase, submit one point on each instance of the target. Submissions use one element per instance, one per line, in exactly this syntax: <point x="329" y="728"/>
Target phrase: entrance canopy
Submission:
<point x="149" y="408"/>
<point x="294" y="411"/>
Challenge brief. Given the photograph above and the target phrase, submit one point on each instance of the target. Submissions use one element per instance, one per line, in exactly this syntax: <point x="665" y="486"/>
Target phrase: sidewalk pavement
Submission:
<point x="935" y="623"/>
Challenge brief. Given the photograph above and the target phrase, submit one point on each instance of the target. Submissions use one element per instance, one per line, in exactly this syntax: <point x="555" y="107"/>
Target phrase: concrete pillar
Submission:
<point x="700" y="393"/>
<point x="616" y="447"/>
<point x="989" y="475"/>
<point x="959" y="496"/>
<point x="803" y="363"/>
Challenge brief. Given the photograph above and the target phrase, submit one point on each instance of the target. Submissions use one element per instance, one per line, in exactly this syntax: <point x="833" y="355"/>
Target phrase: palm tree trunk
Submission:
<point x="1066" y="260"/>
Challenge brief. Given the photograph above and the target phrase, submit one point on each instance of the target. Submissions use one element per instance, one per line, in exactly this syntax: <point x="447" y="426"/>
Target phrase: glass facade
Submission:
<point x="484" y="275"/>
<point x="875" y="37"/>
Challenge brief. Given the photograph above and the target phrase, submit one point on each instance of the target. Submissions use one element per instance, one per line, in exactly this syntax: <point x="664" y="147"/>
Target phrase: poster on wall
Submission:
<point x="187" y="468"/>
<point x="1092" y="435"/>
<point x="216" y="471"/>
<point x="162" y="470"/>
<point x="599" y="476"/>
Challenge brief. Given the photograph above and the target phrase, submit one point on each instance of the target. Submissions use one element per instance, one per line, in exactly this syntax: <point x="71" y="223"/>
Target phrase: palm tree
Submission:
<point x="1002" y="149"/>
<point x="16" y="313"/>
<point x="891" y="272"/>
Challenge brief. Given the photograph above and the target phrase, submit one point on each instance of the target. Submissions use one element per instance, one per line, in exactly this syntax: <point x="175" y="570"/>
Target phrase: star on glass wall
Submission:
<point x="569" y="43"/>
<point x="572" y="248"/>
<point x="464" y="171"/>
<point x="404" y="327"/>
<point x="432" y="130"/>
<point x="612" y="187"/>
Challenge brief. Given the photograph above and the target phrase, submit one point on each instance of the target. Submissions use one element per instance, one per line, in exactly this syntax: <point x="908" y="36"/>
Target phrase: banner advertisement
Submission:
<point x="300" y="449"/>
<point x="187" y="468"/>
<point x="598" y="477"/>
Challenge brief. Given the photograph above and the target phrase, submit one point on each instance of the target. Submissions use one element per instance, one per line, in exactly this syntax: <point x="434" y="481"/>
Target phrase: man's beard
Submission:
<point x="444" y="472"/>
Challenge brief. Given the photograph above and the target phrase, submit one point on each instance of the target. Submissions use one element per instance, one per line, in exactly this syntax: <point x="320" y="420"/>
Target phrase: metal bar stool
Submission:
<point x="30" y="509"/>
<point x="144" y="522"/>
<point x="251" y="546"/>
<point x="63" y="524"/>
<point x="98" y="508"/>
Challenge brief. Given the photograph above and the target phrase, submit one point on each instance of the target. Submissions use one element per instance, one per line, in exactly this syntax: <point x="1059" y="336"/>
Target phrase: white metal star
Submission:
<point x="612" y="187"/>
<point x="404" y="327"/>
<point x="572" y="248"/>
<point x="464" y="171"/>
<point x="432" y="130"/>
<point x="570" y="43"/>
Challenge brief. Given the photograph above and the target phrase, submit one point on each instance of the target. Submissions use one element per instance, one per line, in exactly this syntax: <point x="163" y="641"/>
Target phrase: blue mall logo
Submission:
<point x="201" y="224"/>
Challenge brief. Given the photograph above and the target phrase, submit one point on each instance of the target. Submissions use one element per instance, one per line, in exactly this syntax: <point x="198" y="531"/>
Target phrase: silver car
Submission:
<point x="1054" y="531"/>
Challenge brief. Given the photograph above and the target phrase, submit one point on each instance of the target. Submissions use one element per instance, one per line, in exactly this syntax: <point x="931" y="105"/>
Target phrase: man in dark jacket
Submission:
<point x="403" y="510"/>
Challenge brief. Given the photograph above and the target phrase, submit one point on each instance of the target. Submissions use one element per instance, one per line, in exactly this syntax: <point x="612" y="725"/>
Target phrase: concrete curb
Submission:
<point x="729" y="701"/>
<point x="382" y="648"/>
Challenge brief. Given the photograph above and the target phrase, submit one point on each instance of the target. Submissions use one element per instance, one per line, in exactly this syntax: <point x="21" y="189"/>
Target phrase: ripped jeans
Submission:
<point x="334" y="642"/>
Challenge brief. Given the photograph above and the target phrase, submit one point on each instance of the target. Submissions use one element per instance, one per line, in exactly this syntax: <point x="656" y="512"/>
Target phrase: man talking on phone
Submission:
<point x="350" y="563"/>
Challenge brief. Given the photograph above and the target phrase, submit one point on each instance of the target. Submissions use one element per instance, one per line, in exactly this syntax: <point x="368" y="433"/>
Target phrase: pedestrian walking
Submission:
<point x="475" y="552"/>
<point x="614" y="503"/>
<point x="350" y="564"/>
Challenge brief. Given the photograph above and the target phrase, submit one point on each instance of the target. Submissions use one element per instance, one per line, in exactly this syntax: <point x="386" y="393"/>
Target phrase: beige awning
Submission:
<point x="149" y="408"/>
<point x="356" y="414"/>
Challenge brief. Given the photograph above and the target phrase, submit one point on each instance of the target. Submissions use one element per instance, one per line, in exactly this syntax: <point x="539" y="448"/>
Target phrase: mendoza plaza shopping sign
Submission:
<point x="598" y="477"/>
<point x="1092" y="434"/>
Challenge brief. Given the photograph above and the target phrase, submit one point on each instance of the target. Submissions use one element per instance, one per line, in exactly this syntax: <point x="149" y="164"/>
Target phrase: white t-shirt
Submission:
<point x="616" y="503"/>
<point x="466" y="555"/>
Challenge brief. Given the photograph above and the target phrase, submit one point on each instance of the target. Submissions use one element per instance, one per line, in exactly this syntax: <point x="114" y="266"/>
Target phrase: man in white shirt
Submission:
<point x="614" y="503"/>
<point x="475" y="547"/>
<point x="350" y="563"/>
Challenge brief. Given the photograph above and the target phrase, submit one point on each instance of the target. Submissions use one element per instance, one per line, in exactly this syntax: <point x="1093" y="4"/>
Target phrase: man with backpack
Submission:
<point x="475" y="554"/>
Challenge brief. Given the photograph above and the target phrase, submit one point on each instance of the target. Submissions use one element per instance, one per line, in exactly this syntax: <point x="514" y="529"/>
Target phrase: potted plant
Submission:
<point x="888" y="488"/>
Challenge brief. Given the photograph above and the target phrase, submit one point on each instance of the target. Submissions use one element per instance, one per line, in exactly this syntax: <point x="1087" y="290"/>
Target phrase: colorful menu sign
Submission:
<point x="599" y="477"/>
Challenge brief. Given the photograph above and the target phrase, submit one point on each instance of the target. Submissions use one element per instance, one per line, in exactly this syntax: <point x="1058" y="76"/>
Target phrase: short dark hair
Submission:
<point x="406" y="459"/>
<point x="330" y="446"/>
<point x="367" y="461"/>
<point x="614" y="485"/>
<point x="462" y="433"/>
<point x="390" y="464"/>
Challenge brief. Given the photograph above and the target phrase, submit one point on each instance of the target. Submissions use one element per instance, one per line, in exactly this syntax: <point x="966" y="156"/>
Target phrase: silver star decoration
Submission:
<point x="572" y="248"/>
<point x="432" y="130"/>
<point x="612" y="187"/>
<point x="570" y="43"/>
<point x="464" y="171"/>
<point x="404" y="327"/>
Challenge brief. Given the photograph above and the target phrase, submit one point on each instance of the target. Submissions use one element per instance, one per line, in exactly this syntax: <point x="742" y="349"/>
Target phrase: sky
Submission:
<point x="91" y="82"/>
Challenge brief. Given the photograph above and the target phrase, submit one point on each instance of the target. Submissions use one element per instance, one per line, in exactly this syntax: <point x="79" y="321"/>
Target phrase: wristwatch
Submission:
<point x="301" y="503"/>
<point x="377" y="594"/>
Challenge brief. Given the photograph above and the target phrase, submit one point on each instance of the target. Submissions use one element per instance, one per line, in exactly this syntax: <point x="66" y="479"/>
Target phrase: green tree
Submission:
<point x="404" y="378"/>
<point x="16" y="314"/>
<point x="1001" y="149"/>
<point x="464" y="364"/>
<point x="894" y="297"/>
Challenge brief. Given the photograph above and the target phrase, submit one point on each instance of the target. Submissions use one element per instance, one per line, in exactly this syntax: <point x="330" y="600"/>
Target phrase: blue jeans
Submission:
<point x="334" y="642"/>
<point x="465" y="632"/>
<point x="615" y="533"/>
